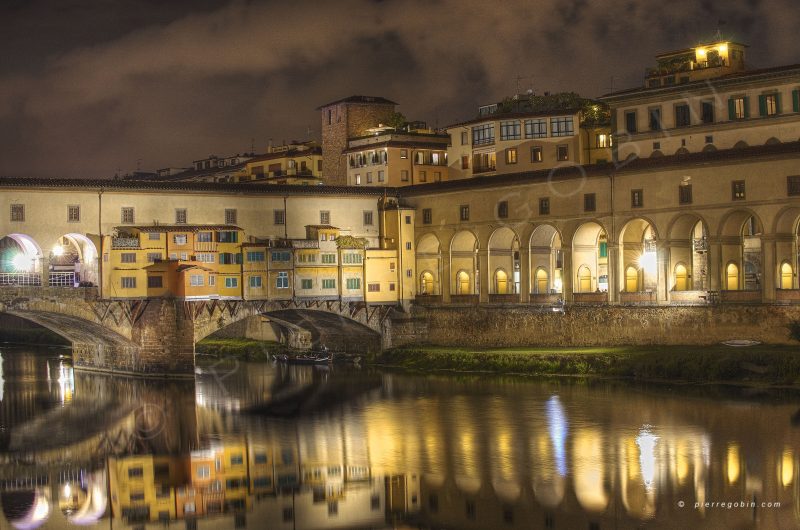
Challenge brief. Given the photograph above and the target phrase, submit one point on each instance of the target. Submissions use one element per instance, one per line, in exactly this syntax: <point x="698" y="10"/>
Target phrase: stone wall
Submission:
<point x="593" y="326"/>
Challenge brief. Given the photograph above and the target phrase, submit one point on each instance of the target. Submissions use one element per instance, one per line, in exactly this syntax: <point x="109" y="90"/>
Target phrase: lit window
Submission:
<point x="511" y="155"/>
<point x="536" y="154"/>
<point x="562" y="153"/>
<point x="603" y="140"/>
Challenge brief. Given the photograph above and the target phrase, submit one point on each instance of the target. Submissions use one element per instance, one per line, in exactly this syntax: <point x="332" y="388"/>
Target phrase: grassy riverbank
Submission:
<point x="242" y="349"/>
<point x="779" y="365"/>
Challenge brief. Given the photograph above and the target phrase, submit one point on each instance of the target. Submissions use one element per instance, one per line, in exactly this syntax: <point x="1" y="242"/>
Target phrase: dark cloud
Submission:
<point x="88" y="87"/>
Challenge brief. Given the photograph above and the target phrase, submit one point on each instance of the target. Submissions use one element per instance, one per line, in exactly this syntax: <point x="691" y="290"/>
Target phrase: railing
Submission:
<point x="428" y="299"/>
<point x="61" y="279"/>
<point x="590" y="298"/>
<point x="787" y="295"/>
<point x="464" y="299"/>
<point x="741" y="297"/>
<point x="21" y="278"/>
<point x="689" y="298"/>
<point x="545" y="298"/>
<point x="504" y="298"/>
<point x="205" y="246"/>
<point x="124" y="242"/>
<point x="637" y="297"/>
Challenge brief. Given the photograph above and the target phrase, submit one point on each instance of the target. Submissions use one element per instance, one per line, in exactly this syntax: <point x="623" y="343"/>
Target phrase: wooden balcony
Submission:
<point x="590" y="298"/>
<point x="637" y="298"/>
<point x="740" y="297"/>
<point x="504" y="298"/>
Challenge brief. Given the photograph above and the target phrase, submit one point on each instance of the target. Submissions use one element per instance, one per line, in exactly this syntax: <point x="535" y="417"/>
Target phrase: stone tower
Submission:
<point x="348" y="118"/>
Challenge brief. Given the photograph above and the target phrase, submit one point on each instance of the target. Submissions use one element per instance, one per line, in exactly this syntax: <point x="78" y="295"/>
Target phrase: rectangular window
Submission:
<point x="329" y="283"/>
<point x="654" y="118"/>
<point x="709" y="139"/>
<point x="256" y="255"/>
<point x="368" y="218"/>
<point x="230" y="216"/>
<point x="324" y="217"/>
<point x="589" y="202"/>
<point x="536" y="128"/>
<point x="637" y="198"/>
<point x="231" y="282"/>
<point x="483" y="134"/>
<point x="358" y="179"/>
<point x="153" y="256"/>
<point x="464" y="138"/>
<point x="793" y="185"/>
<point x="212" y="281"/>
<point x="281" y="256"/>
<point x="196" y="280"/>
<point x="602" y="140"/>
<point x="502" y="209"/>
<point x="423" y="176"/>
<point x="536" y="154"/>
<point x="153" y="236"/>
<point x="353" y="283"/>
<point x="329" y="258"/>
<point x="128" y="257"/>
<point x="464" y="161"/>
<point x="738" y="108"/>
<point x="511" y="155"/>
<point x="127" y="216"/>
<point x="483" y="162"/>
<point x="404" y="153"/>
<point x="255" y="282"/>
<point x="369" y="177"/>
<point x="204" y="237"/>
<point x="685" y="194"/>
<point x="352" y="258"/>
<point x="544" y="206"/>
<point x="737" y="190"/>
<point x="227" y="237"/>
<point x="282" y="281"/>
<point x="510" y="130"/>
<point x="707" y="111"/>
<point x="427" y="216"/>
<point x="404" y="175"/>
<point x="279" y="217"/>
<point x="380" y="175"/>
<point x="180" y="239"/>
<point x="562" y="153"/>
<point x="229" y="258"/>
<point x="155" y="282"/>
<point x="464" y="212"/>
<point x="374" y="287"/>
<point x="769" y="104"/>
<point x="630" y="122"/>
<point x="73" y="214"/>
<point x="128" y="282"/>
<point x="306" y="283"/>
<point x="562" y="126"/>
<point x="180" y="216"/>
<point x="682" y="116"/>
<point x="408" y="219"/>
<point x="408" y="245"/>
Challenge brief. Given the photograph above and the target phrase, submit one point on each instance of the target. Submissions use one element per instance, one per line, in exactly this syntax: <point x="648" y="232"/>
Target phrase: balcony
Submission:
<point x="124" y="242"/>
<point x="483" y="169"/>
<point x="205" y="246"/>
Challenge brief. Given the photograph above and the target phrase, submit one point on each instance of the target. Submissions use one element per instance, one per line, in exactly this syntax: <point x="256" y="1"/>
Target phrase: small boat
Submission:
<point x="739" y="343"/>
<point x="307" y="359"/>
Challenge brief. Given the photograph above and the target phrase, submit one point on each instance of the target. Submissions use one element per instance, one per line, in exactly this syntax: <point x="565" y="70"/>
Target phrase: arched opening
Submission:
<point x="547" y="259"/>
<point x="584" y="280"/>
<point x="786" y="275"/>
<point x="631" y="279"/>
<point x="73" y="261"/>
<point x="681" y="277"/>
<point x="426" y="283"/>
<point x="429" y="259"/>
<point x="639" y="256"/>
<point x="709" y="148"/>
<point x="656" y="154"/>
<point x="20" y="260"/>
<point x="464" y="258"/>
<point x="590" y="248"/>
<point x="541" y="285"/>
<point x="772" y="141"/>
<point x="741" y="231"/>
<point x="504" y="255"/>
<point x="501" y="285"/>
<point x="732" y="277"/>
<point x="463" y="283"/>
<point x="688" y="238"/>
<point x="682" y="151"/>
<point x="741" y="144"/>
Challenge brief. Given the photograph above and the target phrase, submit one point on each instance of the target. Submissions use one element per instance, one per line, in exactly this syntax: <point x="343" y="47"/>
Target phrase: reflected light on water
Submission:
<point x="787" y="467"/>
<point x="557" y="427"/>
<point x="732" y="463"/>
<point x="647" y="455"/>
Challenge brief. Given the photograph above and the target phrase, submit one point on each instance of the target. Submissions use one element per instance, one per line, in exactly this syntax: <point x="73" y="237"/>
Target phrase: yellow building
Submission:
<point x="143" y="487"/>
<point x="296" y="163"/>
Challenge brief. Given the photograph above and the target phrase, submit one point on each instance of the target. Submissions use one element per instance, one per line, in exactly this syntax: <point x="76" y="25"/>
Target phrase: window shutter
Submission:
<point x="731" y="110"/>
<point x="796" y="100"/>
<point x="762" y="105"/>
<point x="747" y="106"/>
<point x="778" y="103"/>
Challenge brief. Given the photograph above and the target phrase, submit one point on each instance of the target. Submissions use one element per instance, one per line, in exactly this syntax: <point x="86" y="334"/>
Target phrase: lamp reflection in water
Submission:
<point x="557" y="427"/>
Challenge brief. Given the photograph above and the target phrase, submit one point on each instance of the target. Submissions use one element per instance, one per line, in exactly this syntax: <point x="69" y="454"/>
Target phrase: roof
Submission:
<point x="732" y="78"/>
<point x="289" y="153"/>
<point x="323" y="227"/>
<point x="442" y="145"/>
<point x="369" y="100"/>
<point x="227" y="188"/>
<point x="501" y="116"/>
<point x="183" y="228"/>
<point x="701" y="45"/>
<point x="604" y="170"/>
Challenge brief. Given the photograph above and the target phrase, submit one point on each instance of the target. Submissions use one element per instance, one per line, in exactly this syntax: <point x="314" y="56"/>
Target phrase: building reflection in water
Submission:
<point x="430" y="452"/>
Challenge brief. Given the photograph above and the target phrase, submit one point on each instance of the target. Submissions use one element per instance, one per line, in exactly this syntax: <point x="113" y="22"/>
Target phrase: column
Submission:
<point x="613" y="272"/>
<point x="525" y="275"/>
<point x="445" y="279"/>
<point x="769" y="269"/>
<point x="45" y="271"/>
<point x="663" y="270"/>
<point x="486" y="276"/>
<point x="567" y="276"/>
<point x="713" y="269"/>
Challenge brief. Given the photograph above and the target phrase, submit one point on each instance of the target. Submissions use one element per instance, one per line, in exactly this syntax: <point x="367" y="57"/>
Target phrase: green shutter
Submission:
<point x="796" y="100"/>
<point x="746" y="106"/>
<point x="762" y="105"/>
<point x="778" y="103"/>
<point x="731" y="109"/>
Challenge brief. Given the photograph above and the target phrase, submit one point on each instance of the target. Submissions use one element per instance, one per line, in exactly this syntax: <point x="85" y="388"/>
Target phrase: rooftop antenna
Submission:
<point x="519" y="78"/>
<point x="252" y="145"/>
<point x="611" y="88"/>
<point x="138" y="164"/>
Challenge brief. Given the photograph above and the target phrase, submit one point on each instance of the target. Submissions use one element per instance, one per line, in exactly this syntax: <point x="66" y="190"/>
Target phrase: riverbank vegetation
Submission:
<point x="242" y="349"/>
<point x="767" y="364"/>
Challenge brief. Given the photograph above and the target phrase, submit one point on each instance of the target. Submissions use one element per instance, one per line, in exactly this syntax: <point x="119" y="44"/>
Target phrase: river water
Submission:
<point x="275" y="446"/>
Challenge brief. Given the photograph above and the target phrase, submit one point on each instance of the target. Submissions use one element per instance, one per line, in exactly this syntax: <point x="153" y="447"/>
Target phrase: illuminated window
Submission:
<point x="769" y="104"/>
<point x="511" y="155"/>
<point x="603" y="140"/>
<point x="737" y="190"/>
<point x="536" y="154"/>
<point x="738" y="108"/>
<point x="562" y="153"/>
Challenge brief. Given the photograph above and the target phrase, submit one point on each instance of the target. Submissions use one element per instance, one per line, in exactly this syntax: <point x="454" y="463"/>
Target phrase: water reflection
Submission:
<point x="102" y="452"/>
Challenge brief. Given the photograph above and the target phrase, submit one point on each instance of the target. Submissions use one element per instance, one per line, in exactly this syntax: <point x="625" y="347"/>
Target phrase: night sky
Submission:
<point x="90" y="88"/>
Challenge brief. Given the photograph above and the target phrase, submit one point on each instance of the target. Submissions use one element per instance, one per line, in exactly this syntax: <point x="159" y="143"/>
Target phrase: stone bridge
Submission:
<point x="157" y="336"/>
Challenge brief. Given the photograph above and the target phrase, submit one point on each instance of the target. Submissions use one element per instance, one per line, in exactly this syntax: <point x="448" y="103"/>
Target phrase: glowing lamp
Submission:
<point x="647" y="261"/>
<point x="723" y="48"/>
<point x="21" y="263"/>
<point x="58" y="250"/>
<point x="701" y="52"/>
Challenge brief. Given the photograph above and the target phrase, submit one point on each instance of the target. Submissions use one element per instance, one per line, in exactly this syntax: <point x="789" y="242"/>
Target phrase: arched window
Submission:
<point x="681" y="277"/>
<point x="786" y="275"/>
<point x="426" y="283"/>
<point x="462" y="283"/>
<point x="732" y="277"/>
<point x="541" y="281"/>
<point x="631" y="280"/>
<point x="584" y="280"/>
<point x="500" y="282"/>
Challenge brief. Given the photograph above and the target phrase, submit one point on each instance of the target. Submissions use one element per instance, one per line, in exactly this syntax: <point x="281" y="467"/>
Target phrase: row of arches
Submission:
<point x="639" y="259"/>
<point x="71" y="260"/>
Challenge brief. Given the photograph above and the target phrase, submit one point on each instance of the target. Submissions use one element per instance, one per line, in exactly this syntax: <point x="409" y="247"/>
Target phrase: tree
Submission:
<point x="396" y="120"/>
